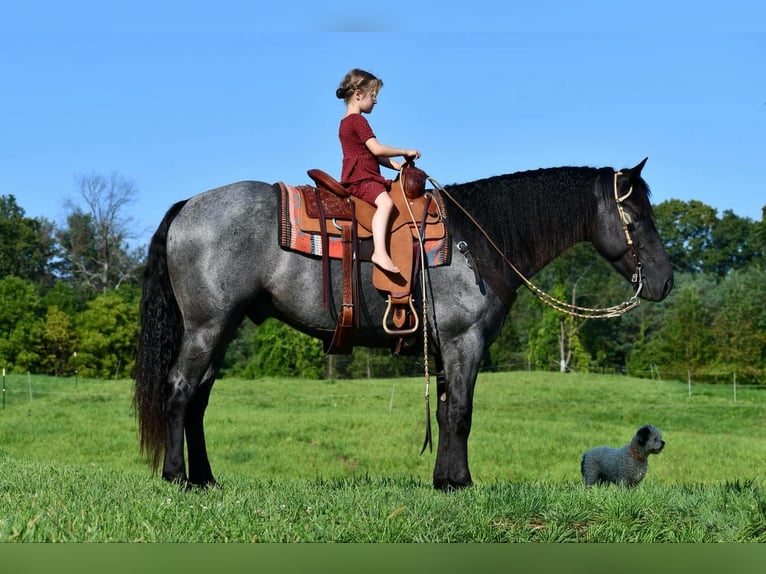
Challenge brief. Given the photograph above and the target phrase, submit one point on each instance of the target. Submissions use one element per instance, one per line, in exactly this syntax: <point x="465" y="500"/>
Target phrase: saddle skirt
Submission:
<point x="300" y="227"/>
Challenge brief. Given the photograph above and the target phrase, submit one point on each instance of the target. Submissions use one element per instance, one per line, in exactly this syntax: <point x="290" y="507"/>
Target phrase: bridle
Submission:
<point x="563" y="306"/>
<point x="627" y="221"/>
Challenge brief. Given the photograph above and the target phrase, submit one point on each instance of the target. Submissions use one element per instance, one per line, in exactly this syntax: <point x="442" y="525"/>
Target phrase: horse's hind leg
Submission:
<point x="174" y="467"/>
<point x="200" y="473"/>
<point x="190" y="381"/>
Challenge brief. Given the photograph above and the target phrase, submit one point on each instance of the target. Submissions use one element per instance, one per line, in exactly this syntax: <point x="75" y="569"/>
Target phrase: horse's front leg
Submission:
<point x="455" y="386"/>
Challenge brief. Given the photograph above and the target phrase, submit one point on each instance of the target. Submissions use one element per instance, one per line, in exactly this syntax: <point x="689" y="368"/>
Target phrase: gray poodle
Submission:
<point x="625" y="466"/>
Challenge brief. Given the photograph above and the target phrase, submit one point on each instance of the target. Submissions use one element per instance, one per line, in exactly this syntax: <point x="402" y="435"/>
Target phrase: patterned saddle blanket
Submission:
<point x="299" y="229"/>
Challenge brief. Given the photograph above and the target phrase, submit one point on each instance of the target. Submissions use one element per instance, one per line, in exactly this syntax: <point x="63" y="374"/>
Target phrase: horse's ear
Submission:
<point x="636" y="171"/>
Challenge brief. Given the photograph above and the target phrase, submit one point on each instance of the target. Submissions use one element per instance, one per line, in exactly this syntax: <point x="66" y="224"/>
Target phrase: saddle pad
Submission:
<point x="293" y="238"/>
<point x="426" y="207"/>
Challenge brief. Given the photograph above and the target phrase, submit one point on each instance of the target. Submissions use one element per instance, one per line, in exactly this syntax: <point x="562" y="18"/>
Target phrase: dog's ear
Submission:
<point x="643" y="434"/>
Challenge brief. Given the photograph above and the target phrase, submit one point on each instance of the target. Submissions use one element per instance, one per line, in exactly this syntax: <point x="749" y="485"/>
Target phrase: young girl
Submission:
<point x="363" y="155"/>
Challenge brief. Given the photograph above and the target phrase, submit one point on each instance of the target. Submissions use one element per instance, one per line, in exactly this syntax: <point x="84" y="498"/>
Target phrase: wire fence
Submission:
<point x="28" y="387"/>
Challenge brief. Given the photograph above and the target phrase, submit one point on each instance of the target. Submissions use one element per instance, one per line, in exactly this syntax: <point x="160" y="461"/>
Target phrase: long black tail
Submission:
<point x="161" y="329"/>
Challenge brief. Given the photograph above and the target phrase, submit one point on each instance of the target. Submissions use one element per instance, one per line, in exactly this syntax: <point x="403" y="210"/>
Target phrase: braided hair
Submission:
<point x="355" y="80"/>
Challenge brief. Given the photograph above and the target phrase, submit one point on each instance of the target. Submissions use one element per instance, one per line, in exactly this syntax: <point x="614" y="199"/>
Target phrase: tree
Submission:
<point x="59" y="342"/>
<point x="739" y="325"/>
<point x="366" y="363"/>
<point x="95" y="240"/>
<point x="687" y="231"/>
<point x="758" y="239"/>
<point x="26" y="244"/>
<point x="684" y="342"/>
<point x="66" y="297"/>
<point x="587" y="344"/>
<point x="21" y="329"/>
<point x="278" y="350"/>
<point x="557" y="340"/>
<point x="275" y="349"/>
<point x="733" y="244"/>
<point x="107" y="332"/>
<point x="509" y="351"/>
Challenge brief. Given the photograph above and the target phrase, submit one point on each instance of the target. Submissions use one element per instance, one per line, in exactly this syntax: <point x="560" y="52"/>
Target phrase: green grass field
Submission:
<point x="338" y="461"/>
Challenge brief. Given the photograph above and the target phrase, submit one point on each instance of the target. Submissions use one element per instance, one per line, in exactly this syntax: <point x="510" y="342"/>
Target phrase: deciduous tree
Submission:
<point x="26" y="244"/>
<point x="107" y="332"/>
<point x="21" y="329"/>
<point x="95" y="241"/>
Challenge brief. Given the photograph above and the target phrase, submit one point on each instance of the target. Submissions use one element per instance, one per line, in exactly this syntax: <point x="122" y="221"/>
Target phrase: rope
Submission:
<point x="423" y="264"/>
<point x="550" y="300"/>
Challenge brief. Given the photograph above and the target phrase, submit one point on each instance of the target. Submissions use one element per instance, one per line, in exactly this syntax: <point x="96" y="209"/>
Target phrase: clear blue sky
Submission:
<point x="180" y="99"/>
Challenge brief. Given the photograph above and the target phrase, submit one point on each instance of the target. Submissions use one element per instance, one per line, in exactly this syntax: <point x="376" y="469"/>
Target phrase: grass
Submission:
<point x="71" y="503"/>
<point x="318" y="461"/>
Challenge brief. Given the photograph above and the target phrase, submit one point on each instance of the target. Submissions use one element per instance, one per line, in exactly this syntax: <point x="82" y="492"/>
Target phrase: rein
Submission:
<point x="550" y="300"/>
<point x="427" y="441"/>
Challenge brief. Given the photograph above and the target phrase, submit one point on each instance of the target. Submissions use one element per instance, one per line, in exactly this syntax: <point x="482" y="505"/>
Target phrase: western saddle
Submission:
<point x="330" y="210"/>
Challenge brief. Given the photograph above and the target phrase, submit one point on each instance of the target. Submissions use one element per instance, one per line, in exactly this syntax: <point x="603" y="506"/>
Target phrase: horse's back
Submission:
<point x="222" y="242"/>
<point x="227" y="203"/>
<point x="224" y="214"/>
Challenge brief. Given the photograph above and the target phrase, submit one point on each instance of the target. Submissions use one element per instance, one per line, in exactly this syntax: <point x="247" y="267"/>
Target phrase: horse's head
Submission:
<point x="627" y="237"/>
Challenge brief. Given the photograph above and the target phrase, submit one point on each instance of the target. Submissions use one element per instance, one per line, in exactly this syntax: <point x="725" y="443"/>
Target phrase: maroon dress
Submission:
<point x="361" y="170"/>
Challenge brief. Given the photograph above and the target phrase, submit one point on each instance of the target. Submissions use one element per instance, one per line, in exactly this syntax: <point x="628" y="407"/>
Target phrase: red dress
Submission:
<point x="361" y="170"/>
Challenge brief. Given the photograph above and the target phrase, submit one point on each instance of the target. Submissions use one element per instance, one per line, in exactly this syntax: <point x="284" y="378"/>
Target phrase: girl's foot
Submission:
<point x="385" y="263"/>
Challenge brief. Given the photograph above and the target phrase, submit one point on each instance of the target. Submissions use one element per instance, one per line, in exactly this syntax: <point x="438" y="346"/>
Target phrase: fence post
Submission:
<point x="689" y="381"/>
<point x="3" y="388"/>
<point x="735" y="386"/>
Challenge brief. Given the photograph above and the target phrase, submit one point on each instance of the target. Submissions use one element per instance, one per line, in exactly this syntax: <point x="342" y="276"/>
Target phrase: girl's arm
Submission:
<point x="389" y="163"/>
<point x="384" y="153"/>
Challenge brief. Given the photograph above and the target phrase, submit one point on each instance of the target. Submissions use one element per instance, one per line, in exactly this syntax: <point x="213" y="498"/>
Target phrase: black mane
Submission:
<point x="534" y="215"/>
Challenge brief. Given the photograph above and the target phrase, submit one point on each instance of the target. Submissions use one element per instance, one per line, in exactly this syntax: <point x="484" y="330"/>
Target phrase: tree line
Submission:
<point x="69" y="300"/>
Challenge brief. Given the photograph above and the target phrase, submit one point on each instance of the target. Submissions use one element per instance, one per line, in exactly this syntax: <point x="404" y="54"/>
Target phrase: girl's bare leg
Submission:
<point x="380" y="256"/>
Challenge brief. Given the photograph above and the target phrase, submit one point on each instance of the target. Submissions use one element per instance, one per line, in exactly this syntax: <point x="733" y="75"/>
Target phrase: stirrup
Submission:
<point x="400" y="332"/>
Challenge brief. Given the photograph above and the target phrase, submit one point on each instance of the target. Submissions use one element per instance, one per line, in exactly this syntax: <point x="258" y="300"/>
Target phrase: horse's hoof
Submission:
<point x="202" y="485"/>
<point x="447" y="485"/>
<point x="175" y="478"/>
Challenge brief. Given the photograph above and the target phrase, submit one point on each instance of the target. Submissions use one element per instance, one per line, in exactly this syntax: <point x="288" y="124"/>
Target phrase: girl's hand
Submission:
<point x="411" y="154"/>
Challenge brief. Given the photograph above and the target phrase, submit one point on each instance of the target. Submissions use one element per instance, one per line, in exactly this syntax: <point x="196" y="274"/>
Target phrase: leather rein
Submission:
<point x="550" y="300"/>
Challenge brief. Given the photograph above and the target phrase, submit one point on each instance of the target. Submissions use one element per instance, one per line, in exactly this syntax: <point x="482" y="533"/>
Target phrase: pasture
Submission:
<point x="320" y="461"/>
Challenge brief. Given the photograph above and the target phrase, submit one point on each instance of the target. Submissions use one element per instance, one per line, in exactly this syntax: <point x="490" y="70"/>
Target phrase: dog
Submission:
<point x="625" y="466"/>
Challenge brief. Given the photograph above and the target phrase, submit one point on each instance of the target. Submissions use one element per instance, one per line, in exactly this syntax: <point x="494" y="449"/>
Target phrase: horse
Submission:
<point x="214" y="260"/>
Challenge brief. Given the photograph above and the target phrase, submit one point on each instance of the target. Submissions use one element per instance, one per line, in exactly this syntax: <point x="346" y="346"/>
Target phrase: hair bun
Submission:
<point x="340" y="93"/>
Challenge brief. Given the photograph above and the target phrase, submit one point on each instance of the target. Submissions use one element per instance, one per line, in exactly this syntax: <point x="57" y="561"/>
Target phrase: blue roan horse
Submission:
<point x="215" y="259"/>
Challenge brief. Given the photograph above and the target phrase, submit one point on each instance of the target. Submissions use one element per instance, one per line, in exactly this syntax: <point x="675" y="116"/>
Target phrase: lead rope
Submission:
<point x="427" y="441"/>
<point x="563" y="306"/>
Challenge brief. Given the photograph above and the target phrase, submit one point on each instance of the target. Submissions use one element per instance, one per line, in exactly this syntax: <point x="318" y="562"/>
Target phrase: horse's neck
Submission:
<point x="566" y="221"/>
<point x="527" y="226"/>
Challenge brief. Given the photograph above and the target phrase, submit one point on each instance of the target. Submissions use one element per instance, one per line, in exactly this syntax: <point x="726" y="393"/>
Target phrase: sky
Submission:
<point x="179" y="98"/>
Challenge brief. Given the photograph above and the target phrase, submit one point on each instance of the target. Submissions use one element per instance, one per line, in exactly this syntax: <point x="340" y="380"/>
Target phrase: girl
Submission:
<point x="363" y="155"/>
